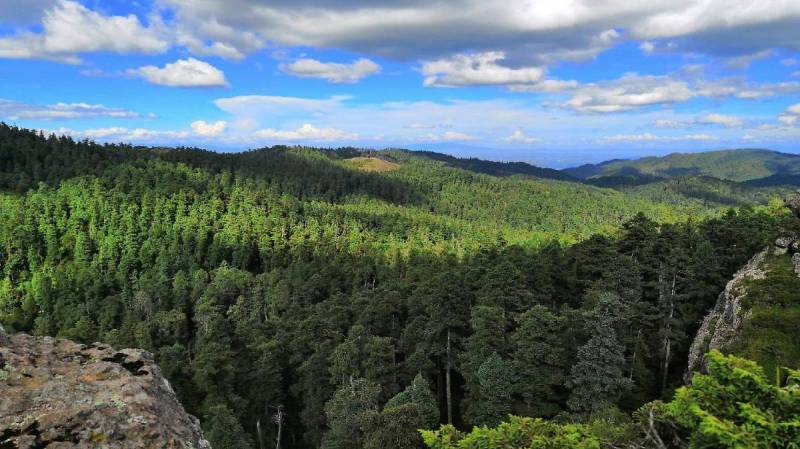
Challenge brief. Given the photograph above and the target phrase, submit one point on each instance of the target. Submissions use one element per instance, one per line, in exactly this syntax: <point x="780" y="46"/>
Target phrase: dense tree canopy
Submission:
<point x="733" y="406"/>
<point x="363" y="305"/>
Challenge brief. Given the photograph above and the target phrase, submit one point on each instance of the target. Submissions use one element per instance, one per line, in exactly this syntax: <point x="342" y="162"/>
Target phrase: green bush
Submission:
<point x="517" y="432"/>
<point x="735" y="406"/>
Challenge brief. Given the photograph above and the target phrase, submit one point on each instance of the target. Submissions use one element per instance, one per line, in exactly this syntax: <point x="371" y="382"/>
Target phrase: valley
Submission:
<point x="381" y="291"/>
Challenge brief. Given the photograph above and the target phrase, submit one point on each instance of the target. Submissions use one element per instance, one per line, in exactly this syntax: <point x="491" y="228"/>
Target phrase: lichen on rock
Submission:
<point x="58" y="393"/>
<point x="722" y="324"/>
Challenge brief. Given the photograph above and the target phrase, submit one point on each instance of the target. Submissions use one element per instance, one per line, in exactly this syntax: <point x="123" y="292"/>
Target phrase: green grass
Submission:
<point x="371" y="164"/>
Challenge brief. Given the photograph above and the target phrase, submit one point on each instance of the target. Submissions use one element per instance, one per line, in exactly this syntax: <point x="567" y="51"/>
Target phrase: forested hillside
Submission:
<point x="703" y="192"/>
<point x="763" y="167"/>
<point x="365" y="304"/>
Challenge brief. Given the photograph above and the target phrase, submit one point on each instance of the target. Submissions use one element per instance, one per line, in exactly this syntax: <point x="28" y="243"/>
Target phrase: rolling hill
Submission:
<point x="309" y="277"/>
<point x="759" y="167"/>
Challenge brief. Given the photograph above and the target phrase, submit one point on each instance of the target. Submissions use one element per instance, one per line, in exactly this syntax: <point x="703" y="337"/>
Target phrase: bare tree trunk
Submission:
<point x="667" y="339"/>
<point x="447" y="381"/>
<point x="652" y="432"/>
<point x="635" y="350"/>
<point x="258" y="431"/>
<point x="279" y="419"/>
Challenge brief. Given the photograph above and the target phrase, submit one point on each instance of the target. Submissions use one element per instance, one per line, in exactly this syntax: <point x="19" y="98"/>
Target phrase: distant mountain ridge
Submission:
<point x="752" y="166"/>
<point x="495" y="168"/>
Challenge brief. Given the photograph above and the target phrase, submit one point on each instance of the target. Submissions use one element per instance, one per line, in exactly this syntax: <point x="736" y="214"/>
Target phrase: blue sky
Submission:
<point x="553" y="83"/>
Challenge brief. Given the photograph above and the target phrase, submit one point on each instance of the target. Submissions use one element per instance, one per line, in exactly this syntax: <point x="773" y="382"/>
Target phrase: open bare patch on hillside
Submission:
<point x="372" y="164"/>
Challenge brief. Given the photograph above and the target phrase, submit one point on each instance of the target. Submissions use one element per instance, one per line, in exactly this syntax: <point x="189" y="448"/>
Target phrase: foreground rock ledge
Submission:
<point x="60" y="394"/>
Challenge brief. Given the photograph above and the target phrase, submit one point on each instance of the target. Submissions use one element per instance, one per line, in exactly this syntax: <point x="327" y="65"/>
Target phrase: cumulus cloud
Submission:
<point x="199" y="47"/>
<point x="208" y="129"/>
<point x="188" y="72"/>
<point x="629" y="92"/>
<point x="530" y="34"/>
<point x="722" y="26"/>
<point x="791" y="116"/>
<point x="519" y="136"/>
<point x="633" y="91"/>
<point x="477" y="69"/>
<point x="307" y="132"/>
<point x="60" y="111"/>
<point x="536" y="32"/>
<point x="69" y="29"/>
<point x="332" y="71"/>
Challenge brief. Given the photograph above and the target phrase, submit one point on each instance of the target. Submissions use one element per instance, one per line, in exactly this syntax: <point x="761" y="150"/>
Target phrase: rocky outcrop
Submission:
<point x="721" y="326"/>
<point x="60" y="394"/>
<point x="793" y="203"/>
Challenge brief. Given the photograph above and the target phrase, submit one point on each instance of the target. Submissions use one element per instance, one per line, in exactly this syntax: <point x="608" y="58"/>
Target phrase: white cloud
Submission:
<point x="332" y="71"/>
<point x="69" y="29"/>
<point x="545" y="86"/>
<point x="207" y="129"/>
<point x="789" y="62"/>
<point x="629" y="92"/>
<point x="62" y="111"/>
<point x="532" y="33"/>
<point x="485" y="122"/>
<point x="647" y="47"/>
<point x="791" y="116"/>
<point x="306" y="132"/>
<point x="252" y="121"/>
<point x="447" y="136"/>
<point x="644" y="137"/>
<point x="253" y="111"/>
<point x="477" y="69"/>
<point x="728" y="121"/>
<point x="739" y="88"/>
<point x="744" y="61"/>
<point x="122" y="134"/>
<point x="188" y="72"/>
<point x="722" y="26"/>
<point x="649" y="137"/>
<point x="199" y="47"/>
<point x="667" y="123"/>
<point x="633" y="91"/>
<point x="697" y="137"/>
<point x="519" y="136"/>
